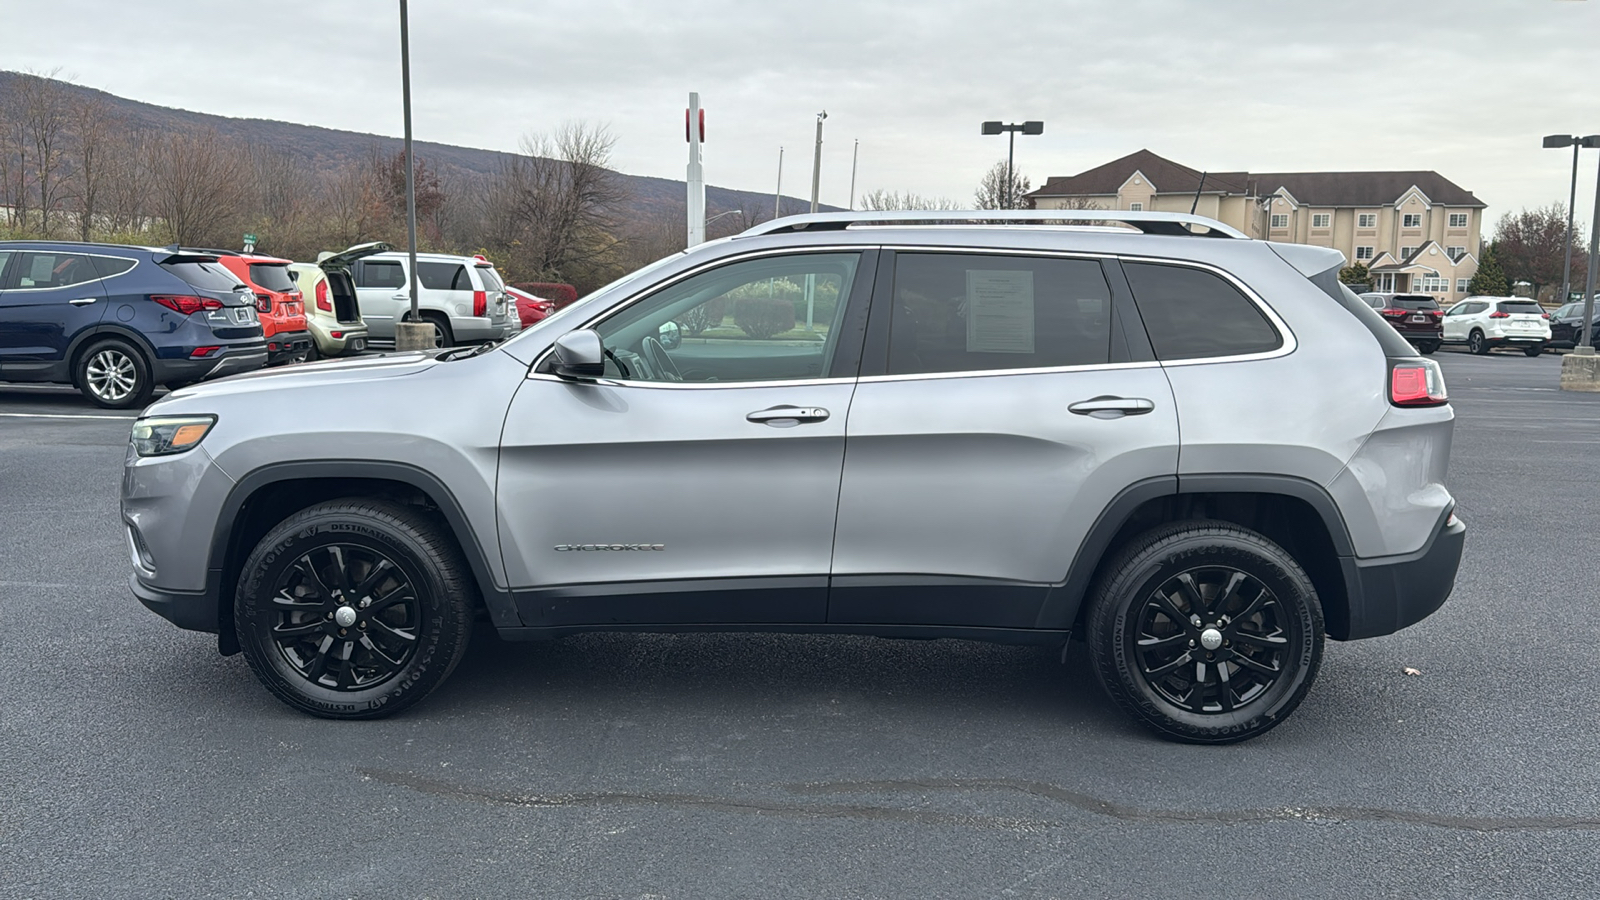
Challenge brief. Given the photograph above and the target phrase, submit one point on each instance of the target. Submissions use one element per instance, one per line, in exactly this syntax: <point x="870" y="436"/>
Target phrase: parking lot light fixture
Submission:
<point x="1011" y="129"/>
<point x="1585" y="344"/>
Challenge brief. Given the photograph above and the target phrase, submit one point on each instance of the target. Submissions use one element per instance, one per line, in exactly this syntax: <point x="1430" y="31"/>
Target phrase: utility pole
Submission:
<point x="854" y="156"/>
<point x="694" y="131"/>
<point x="816" y="162"/>
<point x="777" y="195"/>
<point x="413" y="334"/>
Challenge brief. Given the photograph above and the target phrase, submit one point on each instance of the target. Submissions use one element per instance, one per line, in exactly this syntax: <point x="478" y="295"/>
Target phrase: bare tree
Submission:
<point x="127" y="181"/>
<point x="93" y="125"/>
<point x="549" y="210"/>
<point x="356" y="209"/>
<point x="993" y="192"/>
<point x="1531" y="246"/>
<point x="894" y="200"/>
<point x="198" y="187"/>
<point x="45" y="113"/>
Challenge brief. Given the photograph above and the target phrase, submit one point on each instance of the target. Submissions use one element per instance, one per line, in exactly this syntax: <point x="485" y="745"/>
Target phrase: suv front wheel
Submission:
<point x="1207" y="633"/>
<point x="354" y="609"/>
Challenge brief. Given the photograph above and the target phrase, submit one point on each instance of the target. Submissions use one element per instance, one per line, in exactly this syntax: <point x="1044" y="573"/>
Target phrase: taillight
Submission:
<point x="480" y="302"/>
<point x="203" y="352"/>
<point x="186" y="305"/>
<point x="1436" y="313"/>
<point x="322" y="297"/>
<point x="1394" y="313"/>
<point x="1499" y="315"/>
<point x="1417" y="382"/>
<point x="264" y="303"/>
<point x="1544" y="315"/>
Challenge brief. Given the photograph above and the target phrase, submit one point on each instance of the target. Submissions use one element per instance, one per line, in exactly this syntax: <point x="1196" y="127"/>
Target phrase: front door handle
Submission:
<point x="83" y="301"/>
<point x="1112" y="407"/>
<point x="788" y="416"/>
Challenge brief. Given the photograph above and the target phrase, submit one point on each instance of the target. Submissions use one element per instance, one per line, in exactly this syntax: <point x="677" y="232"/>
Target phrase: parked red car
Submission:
<point x="530" y="308"/>
<point x="279" y="303"/>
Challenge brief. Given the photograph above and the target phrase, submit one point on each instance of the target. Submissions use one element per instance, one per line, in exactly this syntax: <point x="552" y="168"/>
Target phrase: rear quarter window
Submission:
<point x="443" y="276"/>
<point x="1195" y="314"/>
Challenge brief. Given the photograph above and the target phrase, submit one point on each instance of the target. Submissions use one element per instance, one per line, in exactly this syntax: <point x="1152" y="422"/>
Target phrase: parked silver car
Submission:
<point x="1199" y="452"/>
<point x="461" y="296"/>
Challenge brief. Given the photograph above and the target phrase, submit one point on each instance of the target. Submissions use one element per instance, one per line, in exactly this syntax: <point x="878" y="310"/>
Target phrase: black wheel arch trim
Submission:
<point x="502" y="610"/>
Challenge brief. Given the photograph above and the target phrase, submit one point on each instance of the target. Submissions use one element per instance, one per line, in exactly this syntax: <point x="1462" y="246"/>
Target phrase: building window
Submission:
<point x="1363" y="253"/>
<point x="1405" y="252"/>
<point x="1136" y="207"/>
<point x="1320" y="220"/>
<point x="1411" y="220"/>
<point x="1461" y="285"/>
<point x="1367" y="220"/>
<point x="1280" y="221"/>
<point x="1458" y="220"/>
<point x="1456" y="253"/>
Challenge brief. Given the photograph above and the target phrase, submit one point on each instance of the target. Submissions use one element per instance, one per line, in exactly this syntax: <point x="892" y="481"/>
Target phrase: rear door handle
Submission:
<point x="1112" y="407"/>
<point x="83" y="301"/>
<point x="788" y="416"/>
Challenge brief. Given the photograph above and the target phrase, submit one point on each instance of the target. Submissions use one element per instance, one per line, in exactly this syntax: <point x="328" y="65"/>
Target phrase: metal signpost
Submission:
<point x="694" y="131"/>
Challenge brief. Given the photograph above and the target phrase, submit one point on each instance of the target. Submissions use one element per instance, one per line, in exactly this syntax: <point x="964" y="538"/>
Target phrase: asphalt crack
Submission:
<point x="1320" y="815"/>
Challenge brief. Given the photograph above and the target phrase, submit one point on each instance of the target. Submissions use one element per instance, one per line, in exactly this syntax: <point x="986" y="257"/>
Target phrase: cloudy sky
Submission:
<point x="1465" y="87"/>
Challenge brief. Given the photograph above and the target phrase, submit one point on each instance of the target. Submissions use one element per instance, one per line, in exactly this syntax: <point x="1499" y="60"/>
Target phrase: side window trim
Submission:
<point x="1128" y="332"/>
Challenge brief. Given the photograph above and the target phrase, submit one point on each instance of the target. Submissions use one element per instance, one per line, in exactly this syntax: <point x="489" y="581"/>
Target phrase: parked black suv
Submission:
<point x="1417" y="317"/>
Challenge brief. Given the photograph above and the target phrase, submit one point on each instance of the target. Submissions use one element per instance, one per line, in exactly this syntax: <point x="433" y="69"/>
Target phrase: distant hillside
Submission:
<point x="329" y="148"/>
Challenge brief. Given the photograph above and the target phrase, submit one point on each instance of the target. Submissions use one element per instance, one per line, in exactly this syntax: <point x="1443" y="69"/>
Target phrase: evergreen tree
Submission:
<point x="1490" y="279"/>
<point x="1356" y="274"/>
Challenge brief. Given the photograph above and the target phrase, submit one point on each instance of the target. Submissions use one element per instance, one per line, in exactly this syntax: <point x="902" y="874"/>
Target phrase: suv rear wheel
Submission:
<point x="354" y="609"/>
<point x="113" y="375"/>
<point x="442" y="335"/>
<point x="1476" y="342"/>
<point x="1207" y="633"/>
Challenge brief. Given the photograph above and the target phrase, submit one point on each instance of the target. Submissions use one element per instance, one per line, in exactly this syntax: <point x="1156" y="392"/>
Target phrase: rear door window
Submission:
<point x="959" y="312"/>
<point x="272" y="277"/>
<point x="443" y="276"/>
<point x="375" y="274"/>
<point x="46" y="270"/>
<point x="1196" y="314"/>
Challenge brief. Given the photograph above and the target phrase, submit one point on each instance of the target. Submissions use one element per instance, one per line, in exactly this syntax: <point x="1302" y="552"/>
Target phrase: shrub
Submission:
<point x="707" y="315"/>
<point x="559" y="294"/>
<point x="762" y="318"/>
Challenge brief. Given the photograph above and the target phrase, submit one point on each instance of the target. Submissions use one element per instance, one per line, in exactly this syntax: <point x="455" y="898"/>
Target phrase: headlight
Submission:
<point x="161" y="435"/>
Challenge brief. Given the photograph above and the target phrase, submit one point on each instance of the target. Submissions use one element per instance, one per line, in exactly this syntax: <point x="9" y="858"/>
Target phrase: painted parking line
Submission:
<point x="12" y="415"/>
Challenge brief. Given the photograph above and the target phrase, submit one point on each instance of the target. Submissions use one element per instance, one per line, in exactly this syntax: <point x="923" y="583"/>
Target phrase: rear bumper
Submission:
<point x="194" y="611"/>
<point x="231" y="360"/>
<point x="287" y="345"/>
<point x="473" y="329"/>
<point x="1389" y="593"/>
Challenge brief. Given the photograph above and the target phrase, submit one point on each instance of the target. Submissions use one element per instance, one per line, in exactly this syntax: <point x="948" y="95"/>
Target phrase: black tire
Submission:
<point x="442" y="335"/>
<point x="300" y="624"/>
<point x="1427" y="348"/>
<point x="1535" y="350"/>
<point x="1273" y="601"/>
<point x="311" y="353"/>
<point x="1477" y="344"/>
<point x="113" y="374"/>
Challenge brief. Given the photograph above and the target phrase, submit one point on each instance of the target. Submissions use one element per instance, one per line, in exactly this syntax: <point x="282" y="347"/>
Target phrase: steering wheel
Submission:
<point x="659" y="360"/>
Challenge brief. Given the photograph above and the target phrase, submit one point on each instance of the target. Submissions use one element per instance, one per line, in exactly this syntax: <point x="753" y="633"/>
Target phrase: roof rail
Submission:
<point x="1148" y="222"/>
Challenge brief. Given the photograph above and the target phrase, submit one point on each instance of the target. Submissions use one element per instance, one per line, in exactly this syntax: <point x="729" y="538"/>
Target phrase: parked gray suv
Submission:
<point x="1197" y="451"/>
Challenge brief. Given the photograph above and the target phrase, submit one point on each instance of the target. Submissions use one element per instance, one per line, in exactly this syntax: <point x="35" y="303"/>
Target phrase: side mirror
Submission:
<point x="580" y="355"/>
<point x="670" y="335"/>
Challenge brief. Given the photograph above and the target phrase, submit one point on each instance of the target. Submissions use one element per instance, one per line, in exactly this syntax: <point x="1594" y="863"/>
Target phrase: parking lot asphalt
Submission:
<point x="136" y="762"/>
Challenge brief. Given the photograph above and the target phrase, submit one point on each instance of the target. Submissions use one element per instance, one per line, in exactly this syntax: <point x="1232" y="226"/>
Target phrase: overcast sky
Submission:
<point x="1464" y="87"/>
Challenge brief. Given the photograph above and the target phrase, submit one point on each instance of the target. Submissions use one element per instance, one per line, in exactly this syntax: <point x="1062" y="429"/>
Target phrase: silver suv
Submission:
<point x="462" y="297"/>
<point x="1197" y="451"/>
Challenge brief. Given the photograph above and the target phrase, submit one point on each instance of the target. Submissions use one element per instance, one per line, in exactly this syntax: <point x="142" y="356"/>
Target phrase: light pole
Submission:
<point x="1555" y="142"/>
<point x="1011" y="151"/>
<point x="1585" y="345"/>
<point x="816" y="162"/>
<point x="413" y="334"/>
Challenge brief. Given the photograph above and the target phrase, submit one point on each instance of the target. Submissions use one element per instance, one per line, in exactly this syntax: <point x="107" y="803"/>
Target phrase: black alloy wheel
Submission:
<point x="347" y="616"/>
<point x="354" y="609"/>
<point x="1206" y="632"/>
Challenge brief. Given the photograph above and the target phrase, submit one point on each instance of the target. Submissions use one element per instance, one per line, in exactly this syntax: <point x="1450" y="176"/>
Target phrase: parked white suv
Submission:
<point x="462" y="296"/>
<point x="1484" y="323"/>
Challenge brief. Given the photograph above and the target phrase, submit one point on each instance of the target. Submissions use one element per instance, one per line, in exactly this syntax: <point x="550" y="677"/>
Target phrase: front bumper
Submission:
<point x="194" y="611"/>
<point x="1389" y="593"/>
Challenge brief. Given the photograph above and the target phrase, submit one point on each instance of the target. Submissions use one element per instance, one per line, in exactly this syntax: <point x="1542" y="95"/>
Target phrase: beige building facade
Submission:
<point x="1415" y="231"/>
